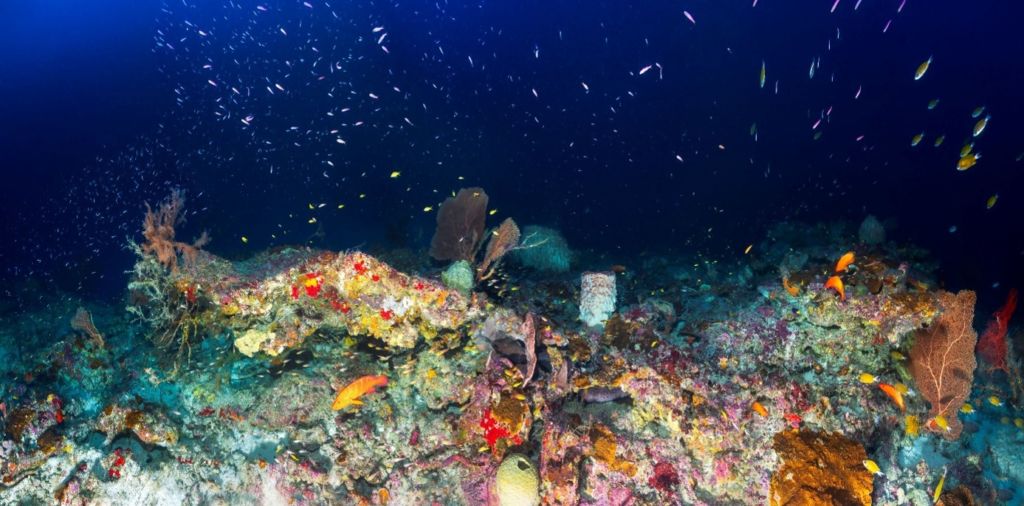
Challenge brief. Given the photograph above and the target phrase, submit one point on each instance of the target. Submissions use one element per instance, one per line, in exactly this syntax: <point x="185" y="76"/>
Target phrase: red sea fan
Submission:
<point x="992" y="344"/>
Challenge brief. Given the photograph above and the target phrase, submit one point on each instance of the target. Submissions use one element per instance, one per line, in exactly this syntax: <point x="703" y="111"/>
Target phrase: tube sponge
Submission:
<point x="516" y="483"/>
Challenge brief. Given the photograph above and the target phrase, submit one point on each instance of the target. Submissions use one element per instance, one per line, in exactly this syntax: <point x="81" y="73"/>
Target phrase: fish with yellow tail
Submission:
<point x="872" y="467"/>
<point x="938" y="488"/>
<point x="894" y="395"/>
<point x="967" y="161"/>
<point x="922" y="68"/>
<point x="991" y="202"/>
<point x="939" y="423"/>
<point x="979" y="127"/>
<point x="349" y="396"/>
<point x="867" y="378"/>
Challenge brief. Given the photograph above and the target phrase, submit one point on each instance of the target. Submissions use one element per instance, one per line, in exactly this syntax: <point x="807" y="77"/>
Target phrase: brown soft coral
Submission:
<point x="158" y="230"/>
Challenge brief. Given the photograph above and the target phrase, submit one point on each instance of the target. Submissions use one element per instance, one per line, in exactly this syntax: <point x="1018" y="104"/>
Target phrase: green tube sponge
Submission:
<point x="516" y="483"/>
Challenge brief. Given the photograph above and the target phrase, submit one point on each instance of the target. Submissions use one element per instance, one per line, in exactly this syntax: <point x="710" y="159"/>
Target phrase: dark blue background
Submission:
<point x="97" y="116"/>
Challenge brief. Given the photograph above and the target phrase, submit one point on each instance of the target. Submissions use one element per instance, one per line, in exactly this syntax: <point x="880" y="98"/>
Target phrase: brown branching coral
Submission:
<point x="158" y="230"/>
<point x="942" y="360"/>
<point x="460" y="226"/>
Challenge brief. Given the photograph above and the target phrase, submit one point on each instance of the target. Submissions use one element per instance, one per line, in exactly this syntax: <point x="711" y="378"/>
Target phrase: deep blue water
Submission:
<point x="108" y="105"/>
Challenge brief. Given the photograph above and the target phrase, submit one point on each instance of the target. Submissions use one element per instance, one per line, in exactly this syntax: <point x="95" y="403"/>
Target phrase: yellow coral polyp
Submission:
<point x="251" y="341"/>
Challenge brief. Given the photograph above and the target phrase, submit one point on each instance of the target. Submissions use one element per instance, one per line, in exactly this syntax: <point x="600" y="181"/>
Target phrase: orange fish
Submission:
<point x="760" y="409"/>
<point x="893" y="394"/>
<point x="791" y="289"/>
<point x="349" y="396"/>
<point x="836" y="284"/>
<point x="844" y="262"/>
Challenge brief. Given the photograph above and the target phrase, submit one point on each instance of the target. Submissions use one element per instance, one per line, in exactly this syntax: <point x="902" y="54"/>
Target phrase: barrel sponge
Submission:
<point x="516" y="483"/>
<point x="459" y="277"/>
<point x="544" y="249"/>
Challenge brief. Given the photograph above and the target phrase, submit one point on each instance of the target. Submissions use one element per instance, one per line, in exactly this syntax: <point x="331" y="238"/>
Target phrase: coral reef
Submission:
<point x="302" y="376"/>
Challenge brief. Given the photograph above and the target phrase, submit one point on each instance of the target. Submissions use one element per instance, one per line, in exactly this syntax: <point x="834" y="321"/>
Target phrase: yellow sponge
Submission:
<point x="517" y="483"/>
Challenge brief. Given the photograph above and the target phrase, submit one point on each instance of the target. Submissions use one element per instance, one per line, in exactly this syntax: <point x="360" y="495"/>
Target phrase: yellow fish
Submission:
<point x="978" y="111"/>
<point x="992" y="399"/>
<point x="922" y="68"/>
<point x="967" y="161"/>
<point x="872" y="466"/>
<point x="428" y="209"/>
<point x="916" y="140"/>
<point x="395" y="174"/>
<point x="939" y="140"/>
<point x="748" y="248"/>
<point x="901" y="388"/>
<point x="979" y="127"/>
<point x="938" y="488"/>
<point x="967" y="408"/>
<point x="245" y="240"/>
<point x="966" y="150"/>
<point x="913" y="427"/>
<point x="867" y="379"/>
<point x="941" y="423"/>
<point x="897" y="355"/>
<point x="1019" y="422"/>
<point x="989" y="204"/>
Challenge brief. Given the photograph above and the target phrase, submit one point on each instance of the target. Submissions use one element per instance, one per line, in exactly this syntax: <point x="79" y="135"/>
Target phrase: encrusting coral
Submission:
<point x="819" y="468"/>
